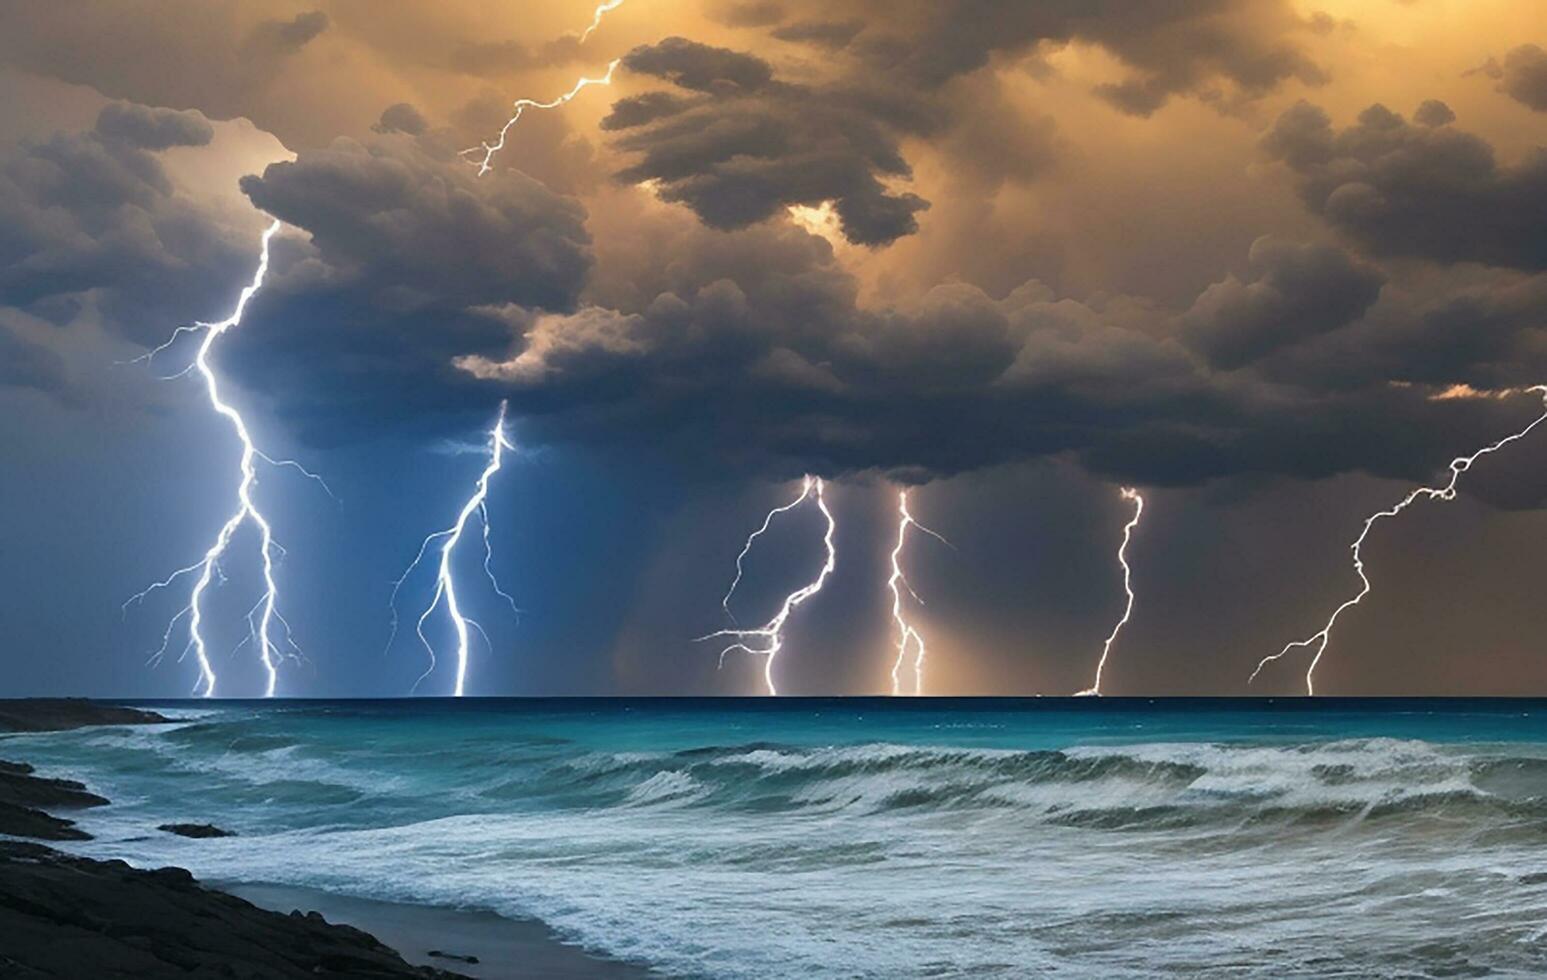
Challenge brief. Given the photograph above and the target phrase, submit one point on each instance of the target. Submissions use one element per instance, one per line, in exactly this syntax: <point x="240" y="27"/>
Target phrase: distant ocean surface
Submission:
<point x="880" y="838"/>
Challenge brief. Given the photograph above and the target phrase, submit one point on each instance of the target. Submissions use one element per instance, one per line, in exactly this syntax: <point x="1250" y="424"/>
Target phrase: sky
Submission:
<point x="1274" y="263"/>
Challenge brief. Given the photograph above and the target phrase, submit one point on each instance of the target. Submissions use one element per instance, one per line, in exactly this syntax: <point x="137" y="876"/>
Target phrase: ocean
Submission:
<point x="886" y="838"/>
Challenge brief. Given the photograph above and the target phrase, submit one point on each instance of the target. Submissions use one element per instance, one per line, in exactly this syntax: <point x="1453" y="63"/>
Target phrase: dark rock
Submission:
<point x="25" y="789"/>
<point x="195" y="830"/>
<point x="440" y="955"/>
<point x="22" y="794"/>
<point x="64" y="916"/>
<point x="24" y="821"/>
<point x="59" y="714"/>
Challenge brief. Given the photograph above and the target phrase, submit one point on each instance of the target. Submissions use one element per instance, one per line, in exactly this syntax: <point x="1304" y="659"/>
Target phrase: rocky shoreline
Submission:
<point x="23" y="795"/>
<point x="26" y="799"/>
<point x="69" y="917"/>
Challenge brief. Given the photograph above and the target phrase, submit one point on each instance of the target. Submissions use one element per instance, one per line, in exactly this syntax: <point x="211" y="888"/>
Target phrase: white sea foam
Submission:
<point x="887" y="858"/>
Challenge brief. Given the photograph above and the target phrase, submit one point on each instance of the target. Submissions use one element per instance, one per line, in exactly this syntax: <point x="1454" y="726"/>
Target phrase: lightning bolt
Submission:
<point x="767" y="640"/>
<point x="1458" y="466"/>
<point x="521" y="105"/>
<point x="486" y="163"/>
<point x="263" y="616"/>
<point x="596" y="17"/>
<point x="488" y="149"/>
<point x="1127" y="493"/>
<point x="445" y="580"/>
<point x="906" y="632"/>
<point x="805" y="491"/>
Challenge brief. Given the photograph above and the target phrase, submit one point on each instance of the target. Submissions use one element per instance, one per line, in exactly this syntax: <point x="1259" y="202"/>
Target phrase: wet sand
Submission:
<point x="505" y="948"/>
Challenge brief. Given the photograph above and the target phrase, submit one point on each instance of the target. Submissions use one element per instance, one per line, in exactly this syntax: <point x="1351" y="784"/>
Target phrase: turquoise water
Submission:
<point x="880" y="838"/>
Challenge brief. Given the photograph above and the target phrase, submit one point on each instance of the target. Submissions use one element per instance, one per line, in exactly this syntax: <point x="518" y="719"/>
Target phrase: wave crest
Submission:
<point x="1121" y="787"/>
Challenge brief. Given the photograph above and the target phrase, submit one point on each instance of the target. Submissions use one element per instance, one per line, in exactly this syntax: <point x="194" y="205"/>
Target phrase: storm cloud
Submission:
<point x="1295" y="292"/>
<point x="407" y="286"/>
<point x="1195" y="47"/>
<point x="408" y="259"/>
<point x="153" y="129"/>
<point x="757" y="356"/>
<point x="93" y="218"/>
<point x="749" y="146"/>
<point x="1434" y="192"/>
<point x="1523" y="76"/>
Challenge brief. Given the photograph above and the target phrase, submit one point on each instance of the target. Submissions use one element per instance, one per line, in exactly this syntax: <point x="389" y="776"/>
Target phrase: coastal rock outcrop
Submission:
<point x="198" y="831"/>
<point x="65" y="916"/>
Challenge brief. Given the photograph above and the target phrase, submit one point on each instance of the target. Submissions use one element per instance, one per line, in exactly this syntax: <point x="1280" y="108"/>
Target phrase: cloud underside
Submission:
<point x="765" y="362"/>
<point x="711" y="327"/>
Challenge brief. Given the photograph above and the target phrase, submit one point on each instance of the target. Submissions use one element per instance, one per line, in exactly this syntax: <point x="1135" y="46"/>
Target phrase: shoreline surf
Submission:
<point x="749" y="839"/>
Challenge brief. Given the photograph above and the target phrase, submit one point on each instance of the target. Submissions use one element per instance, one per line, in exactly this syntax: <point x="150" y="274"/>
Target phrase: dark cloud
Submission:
<point x="700" y="67"/>
<point x="1487" y="334"/>
<point x="1185" y="47"/>
<point x="402" y="118"/>
<point x="27" y="364"/>
<point x="150" y="128"/>
<point x="426" y="293"/>
<point x="1403" y="190"/>
<point x="420" y="223"/>
<point x="749" y="351"/>
<point x="1479" y="328"/>
<point x="752" y="143"/>
<point x="1433" y="112"/>
<point x="749" y="146"/>
<point x="91" y="218"/>
<point x="1294" y="292"/>
<point x="639" y="110"/>
<point x="1524" y="76"/>
<point x="752" y="352"/>
<point x="411" y="260"/>
<point x="417" y="290"/>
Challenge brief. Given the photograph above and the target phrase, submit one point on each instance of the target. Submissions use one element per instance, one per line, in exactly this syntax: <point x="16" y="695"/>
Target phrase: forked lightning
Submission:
<point x="482" y="155"/>
<point x="445" y="576"/>
<point x="265" y="614"/>
<point x="1458" y="466"/>
<point x="767" y="640"/>
<point x="806" y="485"/>
<point x="907" y="634"/>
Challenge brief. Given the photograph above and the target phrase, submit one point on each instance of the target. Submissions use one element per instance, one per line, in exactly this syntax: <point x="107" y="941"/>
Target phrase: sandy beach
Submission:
<point x="504" y="948"/>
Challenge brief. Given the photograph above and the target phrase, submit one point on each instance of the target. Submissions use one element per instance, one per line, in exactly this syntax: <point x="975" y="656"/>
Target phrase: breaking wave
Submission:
<point x="739" y="842"/>
<point x="1128" y="787"/>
